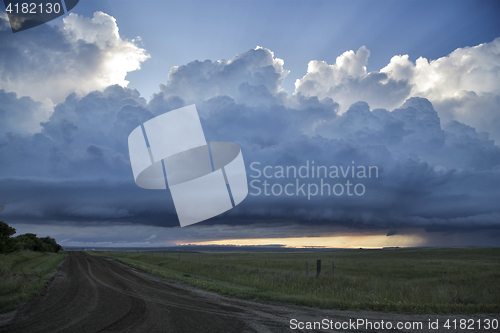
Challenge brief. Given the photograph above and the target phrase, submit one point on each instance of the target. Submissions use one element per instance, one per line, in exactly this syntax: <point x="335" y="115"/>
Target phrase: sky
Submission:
<point x="390" y="108"/>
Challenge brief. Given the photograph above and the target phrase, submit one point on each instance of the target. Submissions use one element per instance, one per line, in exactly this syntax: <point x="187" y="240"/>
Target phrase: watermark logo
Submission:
<point x="205" y="179"/>
<point x="310" y="180"/>
<point x="25" y="14"/>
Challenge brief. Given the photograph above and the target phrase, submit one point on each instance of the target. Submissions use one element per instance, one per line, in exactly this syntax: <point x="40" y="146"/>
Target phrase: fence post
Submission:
<point x="318" y="267"/>
<point x="307" y="269"/>
<point x="333" y="268"/>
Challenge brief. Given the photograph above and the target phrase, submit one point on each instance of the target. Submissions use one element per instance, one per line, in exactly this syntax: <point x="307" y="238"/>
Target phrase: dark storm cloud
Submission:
<point x="83" y="138"/>
<point x="89" y="202"/>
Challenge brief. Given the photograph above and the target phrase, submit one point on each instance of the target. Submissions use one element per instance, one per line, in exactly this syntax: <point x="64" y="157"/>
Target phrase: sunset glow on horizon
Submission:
<point x="344" y="241"/>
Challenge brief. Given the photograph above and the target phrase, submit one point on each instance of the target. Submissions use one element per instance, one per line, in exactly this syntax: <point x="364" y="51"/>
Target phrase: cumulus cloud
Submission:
<point x="433" y="174"/>
<point x="463" y="86"/>
<point x="84" y="136"/>
<point x="465" y="69"/>
<point x="253" y="72"/>
<point x="85" y="55"/>
<point x="347" y="82"/>
<point x="21" y="115"/>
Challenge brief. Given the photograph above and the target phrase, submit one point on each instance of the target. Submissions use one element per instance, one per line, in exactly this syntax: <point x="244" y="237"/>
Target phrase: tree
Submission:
<point x="50" y="244"/>
<point x="30" y="242"/>
<point x="7" y="244"/>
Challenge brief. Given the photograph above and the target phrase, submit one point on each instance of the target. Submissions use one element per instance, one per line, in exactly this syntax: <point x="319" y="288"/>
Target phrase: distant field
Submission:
<point x="22" y="276"/>
<point x="402" y="280"/>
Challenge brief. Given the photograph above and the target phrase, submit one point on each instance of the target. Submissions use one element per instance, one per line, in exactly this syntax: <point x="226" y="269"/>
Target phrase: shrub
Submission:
<point x="25" y="242"/>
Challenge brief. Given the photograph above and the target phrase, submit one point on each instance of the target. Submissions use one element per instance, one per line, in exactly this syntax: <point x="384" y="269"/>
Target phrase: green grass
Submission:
<point x="412" y="278"/>
<point x="23" y="275"/>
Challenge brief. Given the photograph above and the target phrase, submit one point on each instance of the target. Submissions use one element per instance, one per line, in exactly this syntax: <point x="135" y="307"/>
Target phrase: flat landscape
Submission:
<point x="419" y="281"/>
<point x="98" y="294"/>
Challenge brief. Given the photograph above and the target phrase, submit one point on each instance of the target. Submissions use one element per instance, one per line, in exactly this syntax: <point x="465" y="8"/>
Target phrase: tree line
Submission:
<point x="25" y="242"/>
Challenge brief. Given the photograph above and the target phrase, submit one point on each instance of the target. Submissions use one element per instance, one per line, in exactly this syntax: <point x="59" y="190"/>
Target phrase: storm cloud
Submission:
<point x="434" y="152"/>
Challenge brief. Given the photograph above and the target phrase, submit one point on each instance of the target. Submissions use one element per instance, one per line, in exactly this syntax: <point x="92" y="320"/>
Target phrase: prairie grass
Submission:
<point x="23" y="275"/>
<point x="412" y="280"/>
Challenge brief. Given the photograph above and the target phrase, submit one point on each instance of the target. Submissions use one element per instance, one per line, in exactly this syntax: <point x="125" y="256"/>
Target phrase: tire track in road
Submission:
<point x="92" y="299"/>
<point x="159" y="295"/>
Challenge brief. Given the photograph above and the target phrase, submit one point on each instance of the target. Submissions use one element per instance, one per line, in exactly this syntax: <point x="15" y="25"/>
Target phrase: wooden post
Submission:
<point x="307" y="269"/>
<point x="318" y="267"/>
<point x="333" y="268"/>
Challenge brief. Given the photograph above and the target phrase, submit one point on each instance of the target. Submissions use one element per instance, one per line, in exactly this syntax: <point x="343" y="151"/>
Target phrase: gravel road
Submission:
<point x="95" y="294"/>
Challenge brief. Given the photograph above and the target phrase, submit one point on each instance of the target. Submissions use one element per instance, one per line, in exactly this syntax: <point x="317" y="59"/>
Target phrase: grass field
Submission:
<point x="412" y="279"/>
<point x="23" y="275"/>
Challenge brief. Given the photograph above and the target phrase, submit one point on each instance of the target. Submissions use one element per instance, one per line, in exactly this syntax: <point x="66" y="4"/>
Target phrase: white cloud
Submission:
<point x="119" y="56"/>
<point x="347" y="82"/>
<point x="463" y="86"/>
<point x="86" y="54"/>
<point x="474" y="69"/>
<point x="254" y="71"/>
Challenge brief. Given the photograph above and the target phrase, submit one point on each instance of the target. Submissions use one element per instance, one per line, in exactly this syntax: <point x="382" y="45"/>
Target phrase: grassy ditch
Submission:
<point x="443" y="281"/>
<point x="23" y="275"/>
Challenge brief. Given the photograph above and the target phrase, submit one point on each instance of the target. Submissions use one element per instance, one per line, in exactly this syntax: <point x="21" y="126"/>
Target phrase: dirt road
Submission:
<point x="94" y="294"/>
